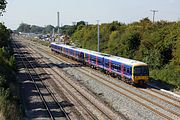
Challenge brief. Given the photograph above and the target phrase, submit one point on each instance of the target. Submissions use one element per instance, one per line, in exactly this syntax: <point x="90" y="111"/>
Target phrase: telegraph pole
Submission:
<point x="52" y="35"/>
<point x="58" y="26"/>
<point x="58" y="21"/>
<point x="154" y="12"/>
<point x="98" y="32"/>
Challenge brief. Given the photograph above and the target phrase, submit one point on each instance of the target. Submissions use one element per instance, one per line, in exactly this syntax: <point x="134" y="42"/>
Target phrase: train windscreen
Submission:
<point x="141" y="71"/>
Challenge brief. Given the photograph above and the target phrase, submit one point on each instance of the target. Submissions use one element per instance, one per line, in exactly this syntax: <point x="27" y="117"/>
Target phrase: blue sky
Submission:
<point x="44" y="12"/>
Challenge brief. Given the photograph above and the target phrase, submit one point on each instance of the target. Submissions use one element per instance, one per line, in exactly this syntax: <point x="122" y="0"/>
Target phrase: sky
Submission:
<point x="44" y="12"/>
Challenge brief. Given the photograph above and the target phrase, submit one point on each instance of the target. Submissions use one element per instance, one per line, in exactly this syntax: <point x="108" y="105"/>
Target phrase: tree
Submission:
<point x="36" y="29"/>
<point x="48" y="29"/>
<point x="130" y="41"/>
<point x="68" y="30"/>
<point x="24" y="28"/>
<point x="2" y="6"/>
<point x="4" y="35"/>
<point x="81" y="23"/>
<point x="114" y="26"/>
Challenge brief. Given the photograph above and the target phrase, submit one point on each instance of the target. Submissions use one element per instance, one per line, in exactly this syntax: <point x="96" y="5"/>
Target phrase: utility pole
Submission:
<point x="58" y="26"/>
<point x="98" y="32"/>
<point x="58" y="21"/>
<point x="154" y="12"/>
<point x="53" y="34"/>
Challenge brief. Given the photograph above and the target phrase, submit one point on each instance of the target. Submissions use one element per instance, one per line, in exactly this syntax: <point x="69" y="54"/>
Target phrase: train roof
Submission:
<point x="91" y="52"/>
<point x="79" y="49"/>
<point x="106" y="56"/>
<point x="117" y="58"/>
<point x="62" y="45"/>
<point x="125" y="60"/>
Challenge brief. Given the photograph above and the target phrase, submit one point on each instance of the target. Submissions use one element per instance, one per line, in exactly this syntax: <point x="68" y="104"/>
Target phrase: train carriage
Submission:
<point x="93" y="58"/>
<point x="131" y="71"/>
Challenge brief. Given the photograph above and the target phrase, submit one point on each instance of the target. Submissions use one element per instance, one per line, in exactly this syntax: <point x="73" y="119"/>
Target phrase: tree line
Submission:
<point x="9" y="98"/>
<point x="157" y="44"/>
<point x="66" y="29"/>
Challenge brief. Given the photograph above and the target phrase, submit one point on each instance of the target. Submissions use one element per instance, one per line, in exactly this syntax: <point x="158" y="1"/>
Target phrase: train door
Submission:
<point x="81" y="57"/>
<point x="103" y="64"/>
<point x="122" y="70"/>
<point x="97" y="61"/>
<point x="110" y="63"/>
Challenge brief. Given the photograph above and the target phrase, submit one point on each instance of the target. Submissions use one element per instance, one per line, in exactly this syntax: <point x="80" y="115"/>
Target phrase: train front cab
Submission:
<point x="140" y="74"/>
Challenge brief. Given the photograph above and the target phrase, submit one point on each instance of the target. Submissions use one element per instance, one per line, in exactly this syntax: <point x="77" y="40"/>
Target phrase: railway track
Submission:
<point x="106" y="115"/>
<point x="140" y="96"/>
<point x="30" y="68"/>
<point x="157" y="90"/>
<point x="83" y="93"/>
<point x="162" y="108"/>
<point x="172" y="101"/>
<point x="156" y="94"/>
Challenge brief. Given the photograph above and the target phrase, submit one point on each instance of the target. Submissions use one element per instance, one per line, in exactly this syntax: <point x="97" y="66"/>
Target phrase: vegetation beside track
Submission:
<point x="45" y="43"/>
<point x="9" y="89"/>
<point x="157" y="44"/>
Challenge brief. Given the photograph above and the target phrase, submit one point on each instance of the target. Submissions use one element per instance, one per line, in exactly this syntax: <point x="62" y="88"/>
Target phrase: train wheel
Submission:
<point x="119" y="77"/>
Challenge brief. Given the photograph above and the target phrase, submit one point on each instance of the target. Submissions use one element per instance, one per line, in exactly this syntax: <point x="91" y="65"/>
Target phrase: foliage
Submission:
<point x="4" y="35"/>
<point x="66" y="29"/>
<point x="2" y="6"/>
<point x="9" y="108"/>
<point x="48" y="29"/>
<point x="157" y="44"/>
<point x="33" y="29"/>
<point x="24" y="28"/>
<point x="167" y="75"/>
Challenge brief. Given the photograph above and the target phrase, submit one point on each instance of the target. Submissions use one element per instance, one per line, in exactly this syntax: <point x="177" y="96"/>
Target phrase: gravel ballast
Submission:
<point x="118" y="102"/>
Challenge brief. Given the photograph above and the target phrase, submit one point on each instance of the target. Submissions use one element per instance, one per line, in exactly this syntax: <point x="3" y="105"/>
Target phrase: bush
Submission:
<point x="9" y="109"/>
<point x="155" y="44"/>
<point x="168" y="75"/>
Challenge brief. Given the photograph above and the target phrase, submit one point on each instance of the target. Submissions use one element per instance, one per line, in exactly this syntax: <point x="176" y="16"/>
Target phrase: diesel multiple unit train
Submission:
<point x="128" y="70"/>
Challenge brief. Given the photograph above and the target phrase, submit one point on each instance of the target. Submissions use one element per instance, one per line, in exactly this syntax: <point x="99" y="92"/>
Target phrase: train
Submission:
<point x="128" y="70"/>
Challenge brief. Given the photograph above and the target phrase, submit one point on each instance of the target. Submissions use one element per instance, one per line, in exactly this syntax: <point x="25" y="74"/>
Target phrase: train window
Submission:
<point x="117" y="67"/>
<point x="93" y="59"/>
<point x="99" y="61"/>
<point x="124" y="69"/>
<point x="141" y="70"/>
<point x="107" y="64"/>
<point x="127" y="70"/>
<point x="114" y="66"/>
